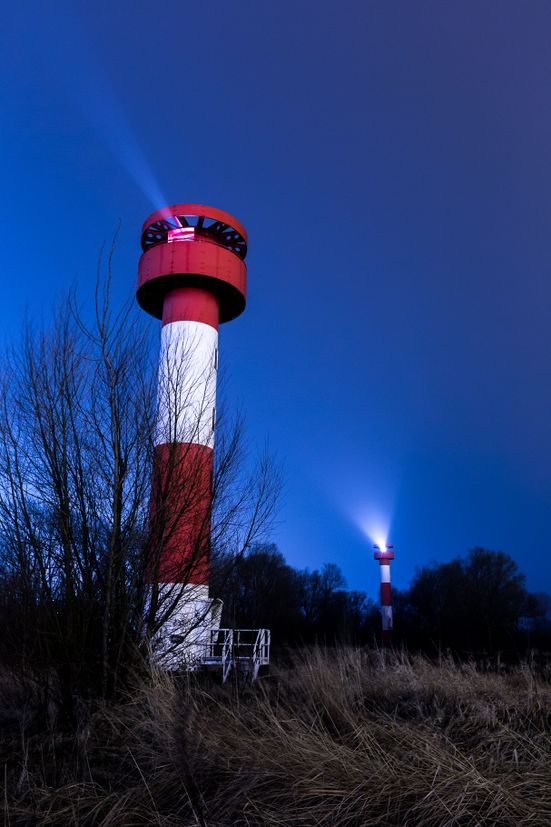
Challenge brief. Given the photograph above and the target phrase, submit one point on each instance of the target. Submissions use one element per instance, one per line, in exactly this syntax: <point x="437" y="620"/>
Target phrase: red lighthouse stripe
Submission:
<point x="192" y="304"/>
<point x="181" y="513"/>
<point x="386" y="594"/>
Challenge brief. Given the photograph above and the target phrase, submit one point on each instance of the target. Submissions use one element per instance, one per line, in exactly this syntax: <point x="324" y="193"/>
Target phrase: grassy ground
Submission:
<point x="339" y="738"/>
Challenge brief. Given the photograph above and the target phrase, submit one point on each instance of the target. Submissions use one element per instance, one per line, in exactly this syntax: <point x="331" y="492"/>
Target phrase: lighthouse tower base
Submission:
<point x="191" y="638"/>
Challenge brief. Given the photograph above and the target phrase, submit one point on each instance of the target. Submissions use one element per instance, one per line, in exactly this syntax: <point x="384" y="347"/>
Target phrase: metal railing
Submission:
<point x="244" y="650"/>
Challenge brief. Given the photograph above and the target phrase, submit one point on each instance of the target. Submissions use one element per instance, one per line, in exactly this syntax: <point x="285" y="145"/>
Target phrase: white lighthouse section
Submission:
<point x="184" y="637"/>
<point x="186" y="413"/>
<point x="386" y="614"/>
<point x="186" y="395"/>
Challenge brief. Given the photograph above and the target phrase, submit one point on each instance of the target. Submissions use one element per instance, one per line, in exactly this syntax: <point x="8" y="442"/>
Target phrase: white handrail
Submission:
<point x="228" y="649"/>
<point x="227" y="654"/>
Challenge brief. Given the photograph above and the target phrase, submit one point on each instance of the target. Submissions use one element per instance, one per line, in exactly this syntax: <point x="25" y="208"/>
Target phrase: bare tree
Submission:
<point x="81" y="535"/>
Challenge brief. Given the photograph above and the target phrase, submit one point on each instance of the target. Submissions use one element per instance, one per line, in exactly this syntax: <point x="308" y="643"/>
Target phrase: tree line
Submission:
<point x="473" y="604"/>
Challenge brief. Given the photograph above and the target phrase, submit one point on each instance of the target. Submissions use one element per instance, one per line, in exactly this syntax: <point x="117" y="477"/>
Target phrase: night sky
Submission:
<point x="391" y="162"/>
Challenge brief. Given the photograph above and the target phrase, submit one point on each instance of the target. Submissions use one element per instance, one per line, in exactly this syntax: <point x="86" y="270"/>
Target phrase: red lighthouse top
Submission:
<point x="191" y="245"/>
<point x="385" y="554"/>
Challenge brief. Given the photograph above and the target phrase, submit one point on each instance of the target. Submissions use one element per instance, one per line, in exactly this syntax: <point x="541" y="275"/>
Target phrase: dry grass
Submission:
<point x="340" y="738"/>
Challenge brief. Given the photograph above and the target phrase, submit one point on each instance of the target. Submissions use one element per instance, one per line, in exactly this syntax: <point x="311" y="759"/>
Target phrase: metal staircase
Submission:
<point x="243" y="650"/>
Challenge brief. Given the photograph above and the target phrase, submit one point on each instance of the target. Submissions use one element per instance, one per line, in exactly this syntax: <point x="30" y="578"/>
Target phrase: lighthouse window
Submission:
<point x="215" y="358"/>
<point x="213" y="418"/>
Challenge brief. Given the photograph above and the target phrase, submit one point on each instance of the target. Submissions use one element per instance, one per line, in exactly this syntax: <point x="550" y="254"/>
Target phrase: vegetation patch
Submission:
<point x="341" y="737"/>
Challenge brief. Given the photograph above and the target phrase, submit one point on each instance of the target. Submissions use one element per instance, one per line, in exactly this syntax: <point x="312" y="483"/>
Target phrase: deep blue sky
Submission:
<point x="391" y="162"/>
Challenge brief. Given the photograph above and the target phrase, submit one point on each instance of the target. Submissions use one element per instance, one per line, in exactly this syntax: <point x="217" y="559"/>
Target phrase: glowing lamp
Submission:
<point x="182" y="234"/>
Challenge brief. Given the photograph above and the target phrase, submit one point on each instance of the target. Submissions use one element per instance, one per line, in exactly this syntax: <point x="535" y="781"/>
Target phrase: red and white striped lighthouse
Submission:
<point x="192" y="276"/>
<point x="384" y="558"/>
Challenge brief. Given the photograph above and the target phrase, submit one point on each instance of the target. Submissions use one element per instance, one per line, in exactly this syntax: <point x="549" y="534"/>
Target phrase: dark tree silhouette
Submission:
<point x="262" y="592"/>
<point x="298" y="606"/>
<point x="474" y="603"/>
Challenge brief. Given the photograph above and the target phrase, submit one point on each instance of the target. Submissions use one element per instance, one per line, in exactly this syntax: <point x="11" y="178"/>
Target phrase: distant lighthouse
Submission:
<point x="384" y="558"/>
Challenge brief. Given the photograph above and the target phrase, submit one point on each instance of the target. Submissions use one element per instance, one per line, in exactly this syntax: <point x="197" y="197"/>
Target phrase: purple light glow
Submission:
<point x="182" y="234"/>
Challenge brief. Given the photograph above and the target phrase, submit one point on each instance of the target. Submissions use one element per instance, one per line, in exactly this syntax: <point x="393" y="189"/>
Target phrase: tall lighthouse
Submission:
<point x="192" y="277"/>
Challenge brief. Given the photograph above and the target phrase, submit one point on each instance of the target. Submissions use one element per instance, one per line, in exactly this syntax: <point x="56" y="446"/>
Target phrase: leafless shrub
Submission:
<point x="77" y="542"/>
